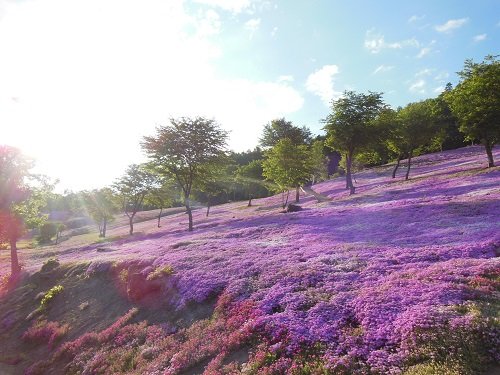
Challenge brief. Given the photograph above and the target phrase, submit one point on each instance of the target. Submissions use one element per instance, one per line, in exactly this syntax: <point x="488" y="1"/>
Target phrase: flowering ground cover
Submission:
<point x="402" y="277"/>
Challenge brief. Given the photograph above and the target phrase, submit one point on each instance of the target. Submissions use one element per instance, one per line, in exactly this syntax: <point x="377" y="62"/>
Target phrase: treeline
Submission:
<point x="189" y="161"/>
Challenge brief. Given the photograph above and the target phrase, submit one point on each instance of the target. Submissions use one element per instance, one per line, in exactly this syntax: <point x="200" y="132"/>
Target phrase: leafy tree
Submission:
<point x="250" y="176"/>
<point x="245" y="157"/>
<point x="349" y="126"/>
<point x="22" y="196"/>
<point x="288" y="166"/>
<point x="132" y="187"/>
<point x="415" y="129"/>
<point x="164" y="193"/>
<point x="183" y="148"/>
<point x="214" y="180"/>
<point x="279" y="129"/>
<point x="319" y="161"/>
<point x="475" y="101"/>
<point x="101" y="205"/>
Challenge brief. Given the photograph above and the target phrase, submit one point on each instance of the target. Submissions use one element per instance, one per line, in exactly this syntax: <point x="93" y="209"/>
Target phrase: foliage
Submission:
<point x="101" y="205"/>
<point x="319" y="161"/>
<point x="22" y="195"/>
<point x="287" y="165"/>
<point x="48" y="231"/>
<point x="133" y="187"/>
<point x="350" y="127"/>
<point x="279" y="129"/>
<point x="43" y="331"/>
<point x="475" y="101"/>
<point x="49" y="296"/>
<point x="160" y="272"/>
<point x="184" y="148"/>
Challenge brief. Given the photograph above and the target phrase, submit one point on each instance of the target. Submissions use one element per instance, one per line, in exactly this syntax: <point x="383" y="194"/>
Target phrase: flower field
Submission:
<point x="401" y="278"/>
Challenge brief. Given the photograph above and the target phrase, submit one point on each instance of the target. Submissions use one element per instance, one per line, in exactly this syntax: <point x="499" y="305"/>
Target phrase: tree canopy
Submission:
<point x="279" y="129"/>
<point x="183" y="148"/>
<point x="475" y="101"/>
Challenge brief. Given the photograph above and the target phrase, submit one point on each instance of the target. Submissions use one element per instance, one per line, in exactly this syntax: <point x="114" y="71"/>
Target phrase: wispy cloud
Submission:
<point x="274" y="31"/>
<point x="451" y="25"/>
<point x="438" y="90"/>
<point x="415" y="18"/>
<point x="383" y="68"/>
<point x="442" y="76"/>
<point x="375" y="42"/>
<point x="418" y="86"/>
<point x="252" y="25"/>
<point x="321" y="81"/>
<point x="479" y="38"/>
<point x="424" y="52"/>
<point x="424" y="72"/>
<point x="235" y="6"/>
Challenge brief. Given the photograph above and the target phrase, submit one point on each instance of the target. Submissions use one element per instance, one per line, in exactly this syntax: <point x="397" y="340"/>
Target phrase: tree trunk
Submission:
<point x="104" y="225"/>
<point x="159" y="216"/>
<point x="284" y="201"/>
<point x="297" y="194"/>
<point x="208" y="206"/>
<point x="487" y="146"/>
<point x="189" y="212"/>
<point x="347" y="186"/>
<point x="14" y="261"/>
<point x="350" y="185"/>
<point x="396" y="167"/>
<point x="410" y="154"/>
<point x="249" y="200"/>
<point x="131" y="224"/>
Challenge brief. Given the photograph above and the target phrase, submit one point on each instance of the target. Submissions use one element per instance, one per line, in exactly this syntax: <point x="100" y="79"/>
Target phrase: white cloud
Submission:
<point x="383" y="68"/>
<point x="375" y="42"/>
<point x="424" y="72"/>
<point x="424" y="52"/>
<point x="252" y="25"/>
<point x="209" y="23"/>
<point x="235" y="6"/>
<point x="84" y="96"/>
<point x="274" y="31"/>
<point x="451" y="25"/>
<point x="321" y="82"/>
<point x="442" y="76"/>
<point x="415" y="18"/>
<point x="285" y="78"/>
<point x="479" y="38"/>
<point x="438" y="90"/>
<point x="418" y="86"/>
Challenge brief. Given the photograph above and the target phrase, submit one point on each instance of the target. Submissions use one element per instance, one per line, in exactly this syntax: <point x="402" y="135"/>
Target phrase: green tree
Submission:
<point x="319" y="161"/>
<point x="183" y="148"/>
<point x="349" y="126"/>
<point x="250" y="176"/>
<point x="22" y="196"/>
<point x="133" y="187"/>
<point x="213" y="181"/>
<point x="415" y="129"/>
<point x="279" y="129"/>
<point x="164" y="193"/>
<point x="288" y="166"/>
<point x="102" y="206"/>
<point x="475" y="101"/>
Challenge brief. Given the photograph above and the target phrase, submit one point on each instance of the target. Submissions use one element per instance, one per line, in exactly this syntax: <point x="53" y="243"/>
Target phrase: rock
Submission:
<point x="293" y="208"/>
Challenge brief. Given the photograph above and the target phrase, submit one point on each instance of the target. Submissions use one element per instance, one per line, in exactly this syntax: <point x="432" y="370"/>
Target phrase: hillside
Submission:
<point x="401" y="277"/>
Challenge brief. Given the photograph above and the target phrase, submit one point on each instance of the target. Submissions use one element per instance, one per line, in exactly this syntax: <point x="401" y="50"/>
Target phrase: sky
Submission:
<point x="82" y="81"/>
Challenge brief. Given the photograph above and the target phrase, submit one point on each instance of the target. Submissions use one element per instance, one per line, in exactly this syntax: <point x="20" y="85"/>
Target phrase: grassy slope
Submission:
<point x="368" y="265"/>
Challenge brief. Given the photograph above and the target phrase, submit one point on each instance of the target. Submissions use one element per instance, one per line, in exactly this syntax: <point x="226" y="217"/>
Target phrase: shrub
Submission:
<point x="45" y="332"/>
<point x="50" y="264"/>
<point x="54" y="291"/>
<point x="47" y="231"/>
<point x="160" y="272"/>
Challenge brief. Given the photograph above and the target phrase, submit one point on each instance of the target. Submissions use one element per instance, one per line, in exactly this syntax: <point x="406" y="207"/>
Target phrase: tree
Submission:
<point x="164" y="193"/>
<point x="279" y="129"/>
<point x="132" y="187"/>
<point x="288" y="166"/>
<point x="475" y="101"/>
<point x="183" y="148"/>
<point x="349" y="127"/>
<point x="101" y="205"/>
<point x="416" y="128"/>
<point x="22" y="196"/>
<point x="214" y="180"/>
<point x="319" y="161"/>
<point x="250" y="176"/>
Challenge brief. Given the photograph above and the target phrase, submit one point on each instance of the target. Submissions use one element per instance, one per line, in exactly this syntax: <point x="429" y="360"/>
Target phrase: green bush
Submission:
<point x="47" y="231"/>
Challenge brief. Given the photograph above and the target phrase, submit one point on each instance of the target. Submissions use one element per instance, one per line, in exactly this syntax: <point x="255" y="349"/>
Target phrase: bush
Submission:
<point x="47" y="231"/>
<point x="45" y="332"/>
<point x="49" y="296"/>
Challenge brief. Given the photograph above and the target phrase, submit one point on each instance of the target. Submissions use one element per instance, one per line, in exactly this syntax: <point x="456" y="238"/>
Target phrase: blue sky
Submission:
<point x="83" y="81"/>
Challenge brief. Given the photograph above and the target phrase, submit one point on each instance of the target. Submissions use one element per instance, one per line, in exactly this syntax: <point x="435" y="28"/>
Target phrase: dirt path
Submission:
<point x="319" y="197"/>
